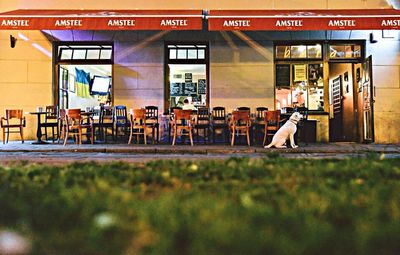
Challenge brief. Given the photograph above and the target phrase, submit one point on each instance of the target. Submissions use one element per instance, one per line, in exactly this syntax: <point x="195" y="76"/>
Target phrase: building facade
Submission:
<point x="240" y="68"/>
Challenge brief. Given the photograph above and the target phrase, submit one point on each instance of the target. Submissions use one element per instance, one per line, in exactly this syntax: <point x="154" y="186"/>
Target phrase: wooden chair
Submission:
<point x="171" y="115"/>
<point x="61" y="123"/>
<point x="240" y="124"/>
<point x="243" y="108"/>
<point x="182" y="121"/>
<point x="137" y="118"/>
<point x="218" y="122"/>
<point x="152" y="122"/>
<point x="272" y="123"/>
<point x="106" y="122"/>
<point x="14" y="119"/>
<point x="74" y="124"/>
<point x="51" y="121"/>
<point x="202" y="123"/>
<point x="121" y="123"/>
<point x="259" y="124"/>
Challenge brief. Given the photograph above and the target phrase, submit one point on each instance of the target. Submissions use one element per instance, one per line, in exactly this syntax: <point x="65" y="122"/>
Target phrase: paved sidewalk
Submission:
<point x="60" y="155"/>
<point x="331" y="148"/>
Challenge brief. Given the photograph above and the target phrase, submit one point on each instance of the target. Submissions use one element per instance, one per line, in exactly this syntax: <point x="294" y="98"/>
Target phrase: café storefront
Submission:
<point x="322" y="60"/>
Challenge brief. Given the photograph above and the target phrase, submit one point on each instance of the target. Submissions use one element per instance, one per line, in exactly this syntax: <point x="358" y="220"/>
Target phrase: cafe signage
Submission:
<point x="102" y="20"/>
<point x="304" y="20"/>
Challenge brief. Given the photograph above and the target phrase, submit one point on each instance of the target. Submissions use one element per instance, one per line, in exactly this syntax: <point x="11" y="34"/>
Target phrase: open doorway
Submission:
<point x="83" y="74"/>
<point x="342" y="102"/>
<point x="186" y="74"/>
<point x="84" y="86"/>
<point x="351" y="102"/>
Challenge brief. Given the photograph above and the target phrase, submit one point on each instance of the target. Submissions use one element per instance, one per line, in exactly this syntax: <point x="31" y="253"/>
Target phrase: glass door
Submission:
<point x="367" y="101"/>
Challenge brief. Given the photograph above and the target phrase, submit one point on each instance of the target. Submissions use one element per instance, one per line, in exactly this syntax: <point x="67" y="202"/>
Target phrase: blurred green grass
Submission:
<point x="270" y="205"/>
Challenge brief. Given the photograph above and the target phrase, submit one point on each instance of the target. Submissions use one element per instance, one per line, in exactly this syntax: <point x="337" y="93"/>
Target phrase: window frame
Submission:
<point x="325" y="59"/>
<point x="298" y="43"/>
<point x="57" y="61"/>
<point x="186" y="61"/>
<point x="359" y="59"/>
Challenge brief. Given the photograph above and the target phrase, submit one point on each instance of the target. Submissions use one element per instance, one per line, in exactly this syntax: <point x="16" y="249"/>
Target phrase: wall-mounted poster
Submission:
<point x="201" y="87"/>
<point x="300" y="73"/>
<point x="188" y="77"/>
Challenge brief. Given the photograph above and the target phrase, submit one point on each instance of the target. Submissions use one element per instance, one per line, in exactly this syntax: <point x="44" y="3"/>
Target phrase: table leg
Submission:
<point x="39" y="132"/>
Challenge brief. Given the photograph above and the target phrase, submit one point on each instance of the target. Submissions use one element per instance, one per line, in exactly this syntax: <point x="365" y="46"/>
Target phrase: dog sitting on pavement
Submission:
<point x="286" y="131"/>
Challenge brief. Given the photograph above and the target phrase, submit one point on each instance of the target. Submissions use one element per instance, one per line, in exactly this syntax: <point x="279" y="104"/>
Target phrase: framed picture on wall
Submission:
<point x="71" y="83"/>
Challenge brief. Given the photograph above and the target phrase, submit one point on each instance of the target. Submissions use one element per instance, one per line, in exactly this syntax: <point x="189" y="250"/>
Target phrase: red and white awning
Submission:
<point x="101" y="20"/>
<point x="296" y="20"/>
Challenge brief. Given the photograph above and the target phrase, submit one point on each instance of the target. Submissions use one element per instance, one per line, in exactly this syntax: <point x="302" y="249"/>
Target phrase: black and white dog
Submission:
<point x="286" y="131"/>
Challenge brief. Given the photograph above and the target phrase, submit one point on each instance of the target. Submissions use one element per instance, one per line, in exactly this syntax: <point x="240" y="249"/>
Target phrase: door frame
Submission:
<point x="368" y="78"/>
<point x="167" y="61"/>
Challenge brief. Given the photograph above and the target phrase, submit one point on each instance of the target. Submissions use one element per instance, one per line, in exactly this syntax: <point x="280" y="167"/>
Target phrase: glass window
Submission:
<point x="182" y="54"/>
<point x="282" y="52"/>
<point x="187" y="81"/>
<point x="314" y="51"/>
<point x="79" y="54"/>
<point x="172" y="54"/>
<point x="187" y="69"/>
<point x="187" y="51"/>
<point x="105" y="54"/>
<point x="345" y="51"/>
<point x="306" y="87"/>
<point x="93" y="54"/>
<point x="192" y="54"/>
<point x="299" y="51"/>
<point x="201" y="54"/>
<point x="66" y="54"/>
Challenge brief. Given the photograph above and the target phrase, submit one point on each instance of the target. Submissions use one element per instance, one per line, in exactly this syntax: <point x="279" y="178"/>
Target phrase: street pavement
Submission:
<point x="59" y="154"/>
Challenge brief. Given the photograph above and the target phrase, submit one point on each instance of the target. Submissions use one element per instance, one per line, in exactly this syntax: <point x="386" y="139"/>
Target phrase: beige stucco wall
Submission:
<point x="25" y="76"/>
<point x="386" y="79"/>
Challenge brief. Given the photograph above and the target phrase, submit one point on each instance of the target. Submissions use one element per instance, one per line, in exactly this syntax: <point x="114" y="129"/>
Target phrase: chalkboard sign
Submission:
<point x="282" y="77"/>
<point x="196" y="99"/>
<point x="177" y="89"/>
<point x="190" y="88"/>
<point x="201" y="88"/>
<point x="188" y="77"/>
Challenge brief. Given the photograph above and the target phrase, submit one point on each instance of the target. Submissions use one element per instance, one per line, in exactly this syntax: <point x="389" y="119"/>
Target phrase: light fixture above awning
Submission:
<point x="101" y="20"/>
<point x="297" y="20"/>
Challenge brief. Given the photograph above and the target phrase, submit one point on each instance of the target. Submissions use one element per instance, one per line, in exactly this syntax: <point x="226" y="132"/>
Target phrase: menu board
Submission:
<point x="188" y="77"/>
<point x="190" y="88"/>
<point x="201" y="88"/>
<point x="177" y="89"/>
<point x="282" y="78"/>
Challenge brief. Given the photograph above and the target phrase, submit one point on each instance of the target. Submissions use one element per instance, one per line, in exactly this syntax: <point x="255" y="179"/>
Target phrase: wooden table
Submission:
<point x="39" y="128"/>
